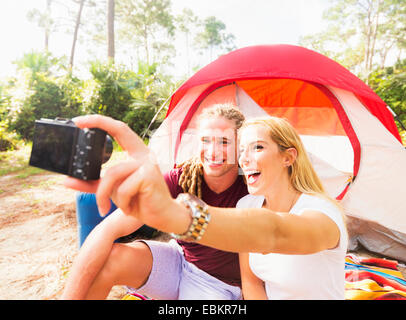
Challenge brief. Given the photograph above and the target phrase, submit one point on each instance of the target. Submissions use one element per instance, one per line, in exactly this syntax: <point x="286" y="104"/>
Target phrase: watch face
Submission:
<point x="193" y="199"/>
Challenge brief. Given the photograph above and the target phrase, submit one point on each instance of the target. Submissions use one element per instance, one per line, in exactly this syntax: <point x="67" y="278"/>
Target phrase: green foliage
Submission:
<point x="3" y="102"/>
<point x="390" y="84"/>
<point x="139" y="118"/>
<point x="38" y="92"/>
<point x="50" y="98"/>
<point x="111" y="94"/>
<point x="132" y="97"/>
<point x="40" y="62"/>
<point x="361" y="34"/>
<point x="403" y="136"/>
<point x="8" y="140"/>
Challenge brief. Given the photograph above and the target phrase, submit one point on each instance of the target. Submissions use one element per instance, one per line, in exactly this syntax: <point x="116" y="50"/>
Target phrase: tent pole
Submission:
<point x="160" y="109"/>
<point x="396" y="117"/>
<point x="155" y="116"/>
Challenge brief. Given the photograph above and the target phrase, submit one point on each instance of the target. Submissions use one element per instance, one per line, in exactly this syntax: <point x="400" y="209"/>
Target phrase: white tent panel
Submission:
<point x="378" y="192"/>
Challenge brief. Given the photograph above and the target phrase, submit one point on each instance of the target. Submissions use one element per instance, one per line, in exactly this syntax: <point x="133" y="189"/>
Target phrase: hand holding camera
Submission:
<point x="137" y="186"/>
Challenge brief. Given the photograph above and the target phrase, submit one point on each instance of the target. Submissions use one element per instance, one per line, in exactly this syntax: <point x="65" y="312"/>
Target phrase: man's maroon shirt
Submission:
<point x="220" y="264"/>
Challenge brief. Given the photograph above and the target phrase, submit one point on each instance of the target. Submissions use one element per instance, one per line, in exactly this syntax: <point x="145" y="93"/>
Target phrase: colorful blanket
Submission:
<point x="132" y="295"/>
<point x="373" y="279"/>
<point x="365" y="279"/>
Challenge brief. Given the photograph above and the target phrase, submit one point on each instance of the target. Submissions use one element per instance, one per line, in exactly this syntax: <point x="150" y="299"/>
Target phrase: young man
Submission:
<point x="177" y="269"/>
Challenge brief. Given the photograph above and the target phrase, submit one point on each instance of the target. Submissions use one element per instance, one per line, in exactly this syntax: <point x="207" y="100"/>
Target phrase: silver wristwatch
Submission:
<point x="200" y="217"/>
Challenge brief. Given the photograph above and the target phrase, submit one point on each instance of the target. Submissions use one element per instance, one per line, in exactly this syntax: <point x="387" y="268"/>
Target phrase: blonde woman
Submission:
<point x="305" y="255"/>
<point x="287" y="220"/>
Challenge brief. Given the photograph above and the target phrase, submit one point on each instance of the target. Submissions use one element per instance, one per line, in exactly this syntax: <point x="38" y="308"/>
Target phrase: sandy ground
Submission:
<point x="38" y="237"/>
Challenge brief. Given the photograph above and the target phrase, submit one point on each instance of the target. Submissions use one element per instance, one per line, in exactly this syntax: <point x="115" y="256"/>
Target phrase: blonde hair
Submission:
<point x="302" y="175"/>
<point x="192" y="175"/>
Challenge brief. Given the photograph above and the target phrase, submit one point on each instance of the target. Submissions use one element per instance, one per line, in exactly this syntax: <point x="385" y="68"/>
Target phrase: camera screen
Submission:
<point x="52" y="147"/>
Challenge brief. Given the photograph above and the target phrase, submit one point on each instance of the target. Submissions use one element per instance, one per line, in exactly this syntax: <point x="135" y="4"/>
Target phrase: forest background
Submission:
<point x="137" y="73"/>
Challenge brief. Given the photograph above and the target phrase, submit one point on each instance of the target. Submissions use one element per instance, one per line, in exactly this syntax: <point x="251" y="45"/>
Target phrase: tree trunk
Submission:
<point x="47" y="27"/>
<point x="374" y="36"/>
<point x="75" y="35"/>
<point x="110" y="30"/>
<point x="145" y="34"/>
<point x="46" y="41"/>
<point x="368" y="39"/>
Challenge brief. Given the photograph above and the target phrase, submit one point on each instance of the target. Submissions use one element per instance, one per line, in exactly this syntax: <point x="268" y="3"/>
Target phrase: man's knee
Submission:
<point x="128" y="263"/>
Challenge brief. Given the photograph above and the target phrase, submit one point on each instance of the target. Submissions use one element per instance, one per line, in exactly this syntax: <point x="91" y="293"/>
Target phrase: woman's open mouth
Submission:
<point x="252" y="176"/>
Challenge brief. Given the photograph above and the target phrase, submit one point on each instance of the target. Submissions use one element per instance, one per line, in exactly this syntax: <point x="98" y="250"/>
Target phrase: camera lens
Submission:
<point x="108" y="149"/>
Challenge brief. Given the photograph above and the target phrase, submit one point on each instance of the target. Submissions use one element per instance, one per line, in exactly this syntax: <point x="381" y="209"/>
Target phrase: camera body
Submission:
<point x="60" y="146"/>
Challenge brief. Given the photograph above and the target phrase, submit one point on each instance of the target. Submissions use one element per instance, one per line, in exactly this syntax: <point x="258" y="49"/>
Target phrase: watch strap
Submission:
<point x="200" y="217"/>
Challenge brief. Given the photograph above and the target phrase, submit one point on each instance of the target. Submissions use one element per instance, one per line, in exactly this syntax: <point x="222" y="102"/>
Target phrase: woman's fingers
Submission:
<point x="129" y="141"/>
<point x="107" y="186"/>
<point x="127" y="192"/>
<point x="135" y="183"/>
<point x="122" y="133"/>
<point x="141" y="181"/>
<point x="145" y="194"/>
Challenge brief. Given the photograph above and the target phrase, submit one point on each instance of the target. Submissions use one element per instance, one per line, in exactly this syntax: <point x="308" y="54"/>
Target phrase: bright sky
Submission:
<point x="262" y="21"/>
<point x="251" y="21"/>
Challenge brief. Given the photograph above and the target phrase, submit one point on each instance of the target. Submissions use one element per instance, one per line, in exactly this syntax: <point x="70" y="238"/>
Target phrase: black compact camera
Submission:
<point x="60" y="146"/>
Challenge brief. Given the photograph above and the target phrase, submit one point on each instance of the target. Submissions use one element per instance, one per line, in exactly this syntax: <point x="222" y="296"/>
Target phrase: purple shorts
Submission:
<point x="172" y="277"/>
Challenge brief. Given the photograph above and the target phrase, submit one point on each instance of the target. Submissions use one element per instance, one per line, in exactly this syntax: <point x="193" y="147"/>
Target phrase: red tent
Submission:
<point x="282" y="62"/>
<point x="346" y="128"/>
